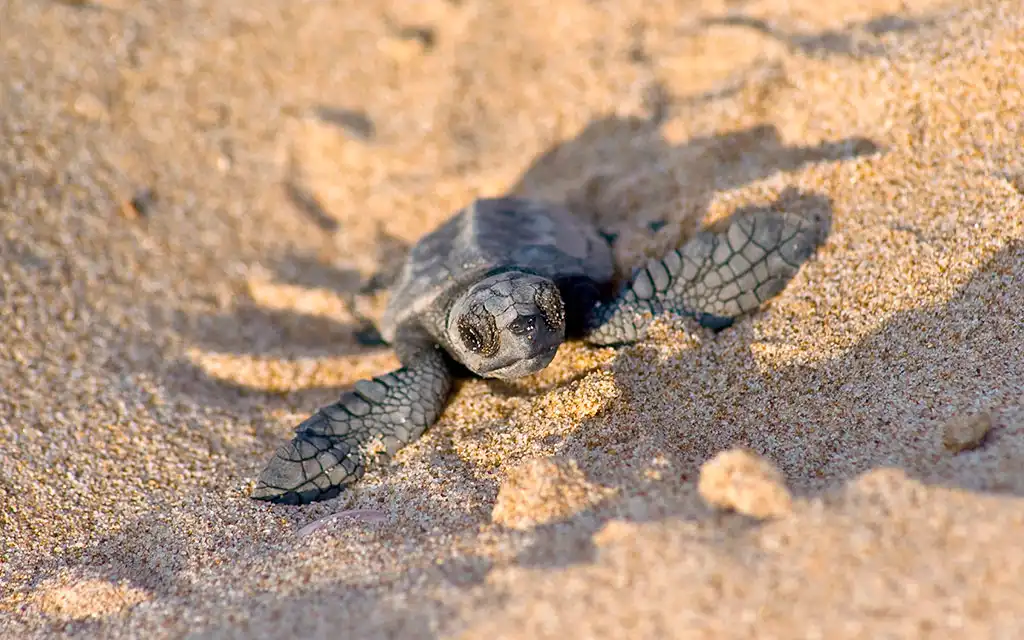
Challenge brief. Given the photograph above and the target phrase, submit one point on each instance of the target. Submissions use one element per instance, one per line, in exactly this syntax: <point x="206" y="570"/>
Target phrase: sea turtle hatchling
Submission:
<point x="494" y="291"/>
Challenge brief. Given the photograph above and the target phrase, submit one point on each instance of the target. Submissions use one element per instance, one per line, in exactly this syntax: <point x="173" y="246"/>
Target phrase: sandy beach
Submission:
<point x="192" y="194"/>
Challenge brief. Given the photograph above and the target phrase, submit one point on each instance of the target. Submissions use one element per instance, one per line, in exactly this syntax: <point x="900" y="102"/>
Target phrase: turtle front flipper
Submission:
<point x="332" y="448"/>
<point x="714" y="278"/>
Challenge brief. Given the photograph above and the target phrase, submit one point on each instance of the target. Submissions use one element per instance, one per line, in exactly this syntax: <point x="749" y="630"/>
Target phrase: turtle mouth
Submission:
<point x="525" y="366"/>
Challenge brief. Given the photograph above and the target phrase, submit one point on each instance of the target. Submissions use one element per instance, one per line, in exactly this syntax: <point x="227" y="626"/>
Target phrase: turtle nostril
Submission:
<point x="522" y="326"/>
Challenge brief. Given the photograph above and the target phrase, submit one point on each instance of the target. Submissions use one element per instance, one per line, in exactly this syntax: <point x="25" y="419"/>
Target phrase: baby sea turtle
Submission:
<point x="494" y="291"/>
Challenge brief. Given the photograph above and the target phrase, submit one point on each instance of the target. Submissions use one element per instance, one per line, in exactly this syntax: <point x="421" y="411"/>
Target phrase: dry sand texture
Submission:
<point x="152" y="357"/>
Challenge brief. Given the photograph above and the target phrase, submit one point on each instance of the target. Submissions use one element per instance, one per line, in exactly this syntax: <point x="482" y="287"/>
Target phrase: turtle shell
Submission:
<point x="490" y="234"/>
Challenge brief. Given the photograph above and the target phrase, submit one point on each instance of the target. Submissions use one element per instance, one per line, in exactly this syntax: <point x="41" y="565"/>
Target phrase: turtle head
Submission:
<point x="507" y="325"/>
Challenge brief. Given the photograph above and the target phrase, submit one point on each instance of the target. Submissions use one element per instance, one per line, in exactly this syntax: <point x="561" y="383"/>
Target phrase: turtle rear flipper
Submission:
<point x="332" y="448"/>
<point x="714" y="278"/>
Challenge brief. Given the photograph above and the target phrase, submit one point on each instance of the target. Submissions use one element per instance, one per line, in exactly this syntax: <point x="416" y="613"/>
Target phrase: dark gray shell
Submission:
<point x="491" y="233"/>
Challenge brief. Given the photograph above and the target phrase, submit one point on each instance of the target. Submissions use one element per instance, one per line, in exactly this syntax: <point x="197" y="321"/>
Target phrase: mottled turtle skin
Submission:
<point x="493" y="292"/>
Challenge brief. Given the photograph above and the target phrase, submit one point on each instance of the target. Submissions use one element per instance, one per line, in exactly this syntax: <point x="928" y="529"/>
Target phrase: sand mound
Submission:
<point x="544" y="490"/>
<point x="68" y="599"/>
<point x="744" y="482"/>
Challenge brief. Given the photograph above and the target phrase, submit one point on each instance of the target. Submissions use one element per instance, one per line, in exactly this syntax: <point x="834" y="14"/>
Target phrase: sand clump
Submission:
<point x="68" y="598"/>
<point x="965" y="432"/>
<point x="742" y="481"/>
<point x="543" y="490"/>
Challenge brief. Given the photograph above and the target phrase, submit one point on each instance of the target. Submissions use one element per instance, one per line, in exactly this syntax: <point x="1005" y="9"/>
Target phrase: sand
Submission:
<point x="192" y="192"/>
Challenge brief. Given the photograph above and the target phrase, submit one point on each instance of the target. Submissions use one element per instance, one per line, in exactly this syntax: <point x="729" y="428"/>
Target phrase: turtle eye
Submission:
<point x="478" y="334"/>
<point x="549" y="302"/>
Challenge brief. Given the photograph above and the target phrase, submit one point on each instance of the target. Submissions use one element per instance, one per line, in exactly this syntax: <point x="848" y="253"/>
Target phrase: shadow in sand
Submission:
<point x="373" y="614"/>
<point x="633" y="145"/>
<point x="614" y="164"/>
<point x="82" y="5"/>
<point x="309" y="205"/>
<point x="246" y="328"/>
<point x="304" y="271"/>
<point x="354" y="122"/>
<point x="853" y="39"/>
<point x="841" y="417"/>
<point x="277" y="335"/>
<point x="150" y="554"/>
<point x="249" y="329"/>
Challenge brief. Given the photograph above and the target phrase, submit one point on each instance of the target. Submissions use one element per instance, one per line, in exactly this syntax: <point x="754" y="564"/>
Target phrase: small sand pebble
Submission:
<point x="90" y="107"/>
<point x="745" y="482"/>
<point x="403" y="46"/>
<point x="139" y="205"/>
<point x="544" y="490"/>
<point x="423" y="35"/>
<point x="961" y="433"/>
<point x="354" y="122"/>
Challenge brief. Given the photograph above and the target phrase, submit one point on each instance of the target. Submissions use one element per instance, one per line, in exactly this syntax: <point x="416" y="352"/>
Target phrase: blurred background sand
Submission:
<point x="191" y="193"/>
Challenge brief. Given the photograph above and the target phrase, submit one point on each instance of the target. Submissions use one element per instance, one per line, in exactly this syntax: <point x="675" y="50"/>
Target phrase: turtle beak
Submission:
<point x="523" y="367"/>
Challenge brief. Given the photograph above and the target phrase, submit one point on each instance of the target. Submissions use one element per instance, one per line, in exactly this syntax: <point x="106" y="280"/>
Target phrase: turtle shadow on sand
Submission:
<point x="623" y="171"/>
<point x="244" y="327"/>
<point x="592" y="171"/>
<point x="827" y="422"/>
